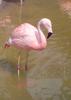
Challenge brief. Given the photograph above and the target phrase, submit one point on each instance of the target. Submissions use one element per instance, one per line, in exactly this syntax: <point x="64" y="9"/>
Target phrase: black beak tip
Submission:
<point x="49" y="34"/>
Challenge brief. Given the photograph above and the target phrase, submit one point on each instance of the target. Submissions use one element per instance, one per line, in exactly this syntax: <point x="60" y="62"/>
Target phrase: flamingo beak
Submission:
<point x="49" y="34"/>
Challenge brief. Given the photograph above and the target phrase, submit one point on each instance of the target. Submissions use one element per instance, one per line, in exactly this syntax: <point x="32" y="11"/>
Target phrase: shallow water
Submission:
<point x="49" y="71"/>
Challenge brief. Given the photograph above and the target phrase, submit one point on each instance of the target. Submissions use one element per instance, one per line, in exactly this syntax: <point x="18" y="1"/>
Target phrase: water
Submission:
<point x="49" y="71"/>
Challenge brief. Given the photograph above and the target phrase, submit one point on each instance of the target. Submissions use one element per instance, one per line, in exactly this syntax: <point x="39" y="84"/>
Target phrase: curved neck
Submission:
<point x="39" y="28"/>
<point x="46" y="23"/>
<point x="41" y="37"/>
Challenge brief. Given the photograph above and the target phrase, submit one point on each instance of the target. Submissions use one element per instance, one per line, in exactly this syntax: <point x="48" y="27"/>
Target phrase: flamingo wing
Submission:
<point x="24" y="36"/>
<point x="27" y="36"/>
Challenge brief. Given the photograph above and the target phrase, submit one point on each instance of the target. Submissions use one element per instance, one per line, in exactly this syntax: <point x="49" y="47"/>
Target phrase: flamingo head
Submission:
<point x="48" y="25"/>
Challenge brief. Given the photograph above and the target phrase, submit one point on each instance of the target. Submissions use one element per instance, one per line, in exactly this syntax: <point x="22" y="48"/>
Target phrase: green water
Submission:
<point x="49" y="71"/>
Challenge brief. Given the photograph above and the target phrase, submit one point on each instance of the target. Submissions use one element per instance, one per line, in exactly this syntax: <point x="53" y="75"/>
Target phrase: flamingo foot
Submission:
<point x="18" y="67"/>
<point x="21" y="68"/>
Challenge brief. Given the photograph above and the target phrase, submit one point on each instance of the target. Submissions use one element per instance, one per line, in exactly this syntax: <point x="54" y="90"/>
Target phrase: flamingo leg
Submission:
<point x="21" y="1"/>
<point x="18" y="66"/>
<point x="26" y="62"/>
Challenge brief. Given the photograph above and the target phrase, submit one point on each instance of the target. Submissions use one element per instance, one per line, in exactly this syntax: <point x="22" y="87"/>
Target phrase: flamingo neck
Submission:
<point x="39" y="28"/>
<point x="42" y="39"/>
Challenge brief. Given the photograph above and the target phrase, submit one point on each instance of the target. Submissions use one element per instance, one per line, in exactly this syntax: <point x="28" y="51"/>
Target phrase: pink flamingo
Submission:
<point x="29" y="37"/>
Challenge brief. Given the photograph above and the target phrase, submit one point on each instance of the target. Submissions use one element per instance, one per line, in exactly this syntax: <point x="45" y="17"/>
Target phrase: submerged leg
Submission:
<point x="26" y="62"/>
<point x="18" y="65"/>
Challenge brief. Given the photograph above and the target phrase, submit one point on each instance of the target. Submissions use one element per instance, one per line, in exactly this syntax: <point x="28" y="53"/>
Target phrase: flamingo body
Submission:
<point x="29" y="37"/>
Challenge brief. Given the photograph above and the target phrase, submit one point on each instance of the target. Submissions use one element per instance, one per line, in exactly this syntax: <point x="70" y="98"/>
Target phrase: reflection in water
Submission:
<point x="44" y="89"/>
<point x="65" y="5"/>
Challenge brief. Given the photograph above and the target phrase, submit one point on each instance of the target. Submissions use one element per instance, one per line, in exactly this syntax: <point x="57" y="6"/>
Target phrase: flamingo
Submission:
<point x="28" y="37"/>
